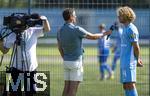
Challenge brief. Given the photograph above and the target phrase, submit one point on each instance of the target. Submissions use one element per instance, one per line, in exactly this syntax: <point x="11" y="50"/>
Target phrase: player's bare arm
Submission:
<point x="107" y="33"/>
<point x="98" y="35"/>
<point x="137" y="54"/>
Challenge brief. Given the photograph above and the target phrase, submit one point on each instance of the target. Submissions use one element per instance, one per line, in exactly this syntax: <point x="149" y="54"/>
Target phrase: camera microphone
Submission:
<point x="35" y="16"/>
<point x="107" y="37"/>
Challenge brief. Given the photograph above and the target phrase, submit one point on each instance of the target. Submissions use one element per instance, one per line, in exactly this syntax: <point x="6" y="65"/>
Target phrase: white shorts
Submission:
<point x="73" y="70"/>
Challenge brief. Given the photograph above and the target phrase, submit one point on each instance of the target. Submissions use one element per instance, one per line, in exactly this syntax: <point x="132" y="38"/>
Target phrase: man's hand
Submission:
<point x="46" y="24"/>
<point x="107" y="32"/>
<point x="43" y="17"/>
<point x="139" y="63"/>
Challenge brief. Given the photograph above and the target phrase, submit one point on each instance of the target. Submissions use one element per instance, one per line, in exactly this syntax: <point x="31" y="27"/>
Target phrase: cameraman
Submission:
<point x="29" y="41"/>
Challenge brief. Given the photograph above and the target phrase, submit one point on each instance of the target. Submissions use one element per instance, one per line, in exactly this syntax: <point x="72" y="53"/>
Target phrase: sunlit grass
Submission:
<point x="91" y="86"/>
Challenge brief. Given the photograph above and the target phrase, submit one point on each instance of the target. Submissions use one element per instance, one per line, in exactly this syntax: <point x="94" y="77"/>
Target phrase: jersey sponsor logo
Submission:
<point x="123" y="45"/>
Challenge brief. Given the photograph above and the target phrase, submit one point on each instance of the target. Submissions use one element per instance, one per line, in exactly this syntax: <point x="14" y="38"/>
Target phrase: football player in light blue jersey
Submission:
<point x="103" y="53"/>
<point x="130" y="51"/>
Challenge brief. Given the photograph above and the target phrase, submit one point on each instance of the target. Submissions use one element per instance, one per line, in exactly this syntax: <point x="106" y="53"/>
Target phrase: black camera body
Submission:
<point x="18" y="22"/>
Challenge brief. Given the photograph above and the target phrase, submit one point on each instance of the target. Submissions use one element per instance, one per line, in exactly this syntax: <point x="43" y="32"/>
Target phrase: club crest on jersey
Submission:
<point x="133" y="35"/>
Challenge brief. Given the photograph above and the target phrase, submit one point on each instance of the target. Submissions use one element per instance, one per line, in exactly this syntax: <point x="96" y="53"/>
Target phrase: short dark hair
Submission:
<point x="67" y="13"/>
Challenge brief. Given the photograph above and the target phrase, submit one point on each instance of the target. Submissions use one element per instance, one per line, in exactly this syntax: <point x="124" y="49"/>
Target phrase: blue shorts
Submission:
<point x="128" y="75"/>
<point x="104" y="53"/>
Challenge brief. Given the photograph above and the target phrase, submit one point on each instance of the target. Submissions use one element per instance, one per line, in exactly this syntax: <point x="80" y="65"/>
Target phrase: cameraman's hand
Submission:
<point x="43" y="17"/>
<point x="46" y="24"/>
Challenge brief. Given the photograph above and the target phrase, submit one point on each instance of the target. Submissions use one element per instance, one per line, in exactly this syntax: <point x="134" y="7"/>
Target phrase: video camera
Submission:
<point x="18" y="22"/>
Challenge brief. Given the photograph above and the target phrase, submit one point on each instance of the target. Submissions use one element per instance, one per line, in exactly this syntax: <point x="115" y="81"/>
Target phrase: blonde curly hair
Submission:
<point x="127" y="13"/>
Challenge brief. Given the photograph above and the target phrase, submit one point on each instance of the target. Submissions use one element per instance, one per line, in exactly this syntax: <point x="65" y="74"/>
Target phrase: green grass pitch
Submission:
<point x="49" y="59"/>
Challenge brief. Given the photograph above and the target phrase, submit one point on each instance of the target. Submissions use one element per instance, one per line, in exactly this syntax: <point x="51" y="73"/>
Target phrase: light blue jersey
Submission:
<point x="103" y="42"/>
<point x="103" y="48"/>
<point x="127" y="59"/>
<point x="70" y="37"/>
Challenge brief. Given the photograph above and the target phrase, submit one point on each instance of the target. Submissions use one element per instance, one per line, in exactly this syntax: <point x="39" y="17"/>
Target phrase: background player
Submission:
<point x="103" y="52"/>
